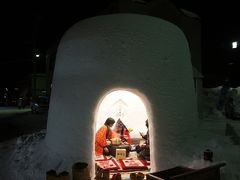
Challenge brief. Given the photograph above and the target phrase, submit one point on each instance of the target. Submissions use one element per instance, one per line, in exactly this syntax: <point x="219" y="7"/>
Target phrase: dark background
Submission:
<point x="30" y="28"/>
<point x="220" y="27"/>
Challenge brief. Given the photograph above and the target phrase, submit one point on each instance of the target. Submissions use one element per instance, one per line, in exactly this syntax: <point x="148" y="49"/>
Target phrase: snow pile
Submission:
<point x="27" y="157"/>
<point x="211" y="98"/>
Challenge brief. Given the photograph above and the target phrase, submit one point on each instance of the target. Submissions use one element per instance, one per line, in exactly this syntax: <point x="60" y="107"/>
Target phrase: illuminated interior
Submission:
<point x="124" y="105"/>
<point x="131" y="109"/>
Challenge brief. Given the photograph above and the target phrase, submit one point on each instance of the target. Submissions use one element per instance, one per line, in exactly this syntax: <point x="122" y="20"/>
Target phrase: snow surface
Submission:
<point x="27" y="157"/>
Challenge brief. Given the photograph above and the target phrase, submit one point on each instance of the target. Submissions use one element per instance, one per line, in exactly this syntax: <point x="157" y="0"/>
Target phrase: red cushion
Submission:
<point x="110" y="164"/>
<point x="133" y="164"/>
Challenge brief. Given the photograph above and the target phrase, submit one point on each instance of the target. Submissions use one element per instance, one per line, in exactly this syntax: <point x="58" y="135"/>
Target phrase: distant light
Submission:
<point x="37" y="55"/>
<point x="6" y="89"/>
<point x="234" y="45"/>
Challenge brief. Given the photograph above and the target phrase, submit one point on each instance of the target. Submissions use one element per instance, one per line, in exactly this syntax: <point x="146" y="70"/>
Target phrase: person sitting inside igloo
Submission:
<point x="104" y="134"/>
<point x="143" y="150"/>
<point x="122" y="132"/>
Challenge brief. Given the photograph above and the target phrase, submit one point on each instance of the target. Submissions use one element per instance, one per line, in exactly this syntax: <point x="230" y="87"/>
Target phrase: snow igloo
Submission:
<point x="143" y="55"/>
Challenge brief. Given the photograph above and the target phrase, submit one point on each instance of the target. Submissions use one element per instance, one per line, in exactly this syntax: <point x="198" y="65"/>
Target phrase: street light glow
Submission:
<point x="234" y="45"/>
<point x="37" y="55"/>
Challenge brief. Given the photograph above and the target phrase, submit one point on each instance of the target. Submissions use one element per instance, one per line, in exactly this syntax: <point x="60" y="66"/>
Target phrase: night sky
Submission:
<point x="29" y="28"/>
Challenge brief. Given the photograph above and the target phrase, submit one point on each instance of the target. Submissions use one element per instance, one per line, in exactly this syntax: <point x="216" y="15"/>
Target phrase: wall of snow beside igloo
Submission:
<point x="143" y="54"/>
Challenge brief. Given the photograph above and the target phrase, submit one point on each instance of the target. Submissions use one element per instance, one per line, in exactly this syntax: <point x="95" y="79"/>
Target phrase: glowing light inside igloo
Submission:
<point x="124" y="105"/>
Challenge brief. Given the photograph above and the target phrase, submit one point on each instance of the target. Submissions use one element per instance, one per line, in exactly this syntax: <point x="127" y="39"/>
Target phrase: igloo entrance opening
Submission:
<point x="129" y="132"/>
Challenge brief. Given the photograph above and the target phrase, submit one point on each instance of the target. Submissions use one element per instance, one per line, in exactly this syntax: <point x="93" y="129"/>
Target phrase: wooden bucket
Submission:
<point x="64" y="175"/>
<point x="51" y="175"/>
<point x="80" y="171"/>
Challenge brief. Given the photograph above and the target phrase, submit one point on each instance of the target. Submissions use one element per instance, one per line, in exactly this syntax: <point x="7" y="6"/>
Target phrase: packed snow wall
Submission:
<point x="142" y="54"/>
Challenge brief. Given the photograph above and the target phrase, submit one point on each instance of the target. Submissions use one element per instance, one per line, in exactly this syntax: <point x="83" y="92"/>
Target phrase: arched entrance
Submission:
<point x="128" y="106"/>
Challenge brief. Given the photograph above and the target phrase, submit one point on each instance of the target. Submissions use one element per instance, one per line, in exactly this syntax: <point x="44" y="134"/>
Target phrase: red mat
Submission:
<point x="110" y="164"/>
<point x="133" y="164"/>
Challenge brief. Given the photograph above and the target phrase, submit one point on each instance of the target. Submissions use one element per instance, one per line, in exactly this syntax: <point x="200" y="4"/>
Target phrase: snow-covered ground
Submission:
<point x="27" y="157"/>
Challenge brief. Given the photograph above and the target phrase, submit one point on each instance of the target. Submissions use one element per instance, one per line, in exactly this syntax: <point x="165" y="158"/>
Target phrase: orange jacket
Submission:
<point x="101" y="139"/>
